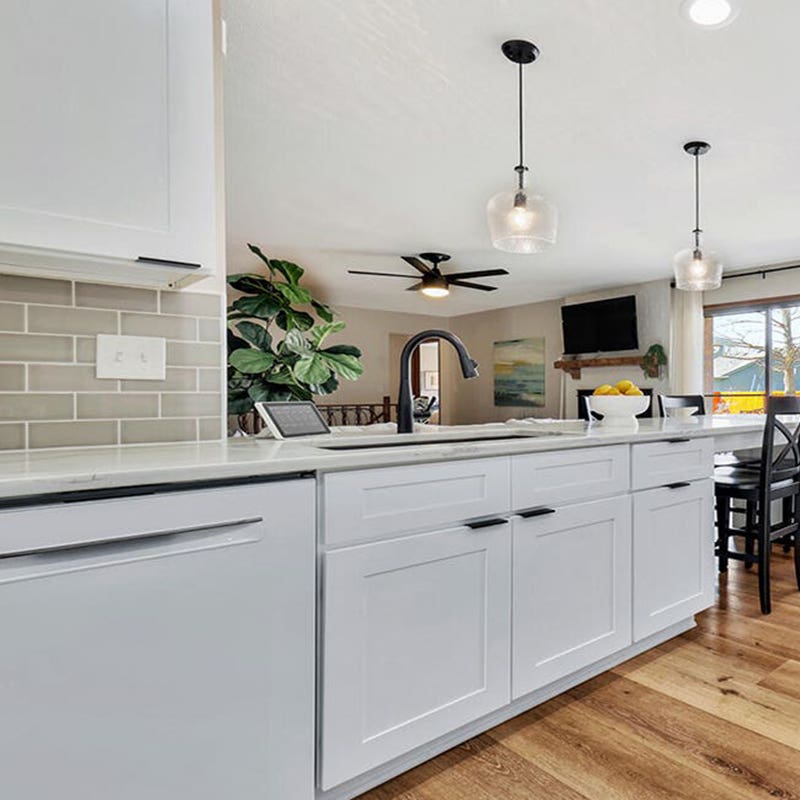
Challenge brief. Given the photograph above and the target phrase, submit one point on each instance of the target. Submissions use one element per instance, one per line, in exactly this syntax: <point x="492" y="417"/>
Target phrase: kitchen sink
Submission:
<point x="434" y="439"/>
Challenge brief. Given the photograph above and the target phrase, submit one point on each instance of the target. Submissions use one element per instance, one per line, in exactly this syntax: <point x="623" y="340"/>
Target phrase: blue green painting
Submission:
<point x="519" y="372"/>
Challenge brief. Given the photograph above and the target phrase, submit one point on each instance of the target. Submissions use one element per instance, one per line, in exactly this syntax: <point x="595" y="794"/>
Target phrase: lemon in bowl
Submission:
<point x="620" y="404"/>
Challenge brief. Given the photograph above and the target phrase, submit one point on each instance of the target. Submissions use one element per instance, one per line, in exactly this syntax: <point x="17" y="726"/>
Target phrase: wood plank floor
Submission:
<point x="711" y="715"/>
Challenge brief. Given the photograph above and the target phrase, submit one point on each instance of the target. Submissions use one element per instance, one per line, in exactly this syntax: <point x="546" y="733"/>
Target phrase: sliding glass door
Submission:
<point x="751" y="352"/>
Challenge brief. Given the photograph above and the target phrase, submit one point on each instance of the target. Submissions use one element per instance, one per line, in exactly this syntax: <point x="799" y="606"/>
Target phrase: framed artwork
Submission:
<point x="519" y="372"/>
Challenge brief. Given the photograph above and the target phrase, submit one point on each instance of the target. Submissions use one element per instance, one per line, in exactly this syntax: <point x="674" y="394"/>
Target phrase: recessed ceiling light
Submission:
<point x="710" y="13"/>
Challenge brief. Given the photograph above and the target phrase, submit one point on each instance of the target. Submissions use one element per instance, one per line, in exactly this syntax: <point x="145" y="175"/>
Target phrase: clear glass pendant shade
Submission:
<point x="520" y="222"/>
<point x="697" y="271"/>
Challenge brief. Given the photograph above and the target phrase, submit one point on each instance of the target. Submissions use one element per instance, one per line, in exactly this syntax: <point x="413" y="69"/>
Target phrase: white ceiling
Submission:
<point x="358" y="130"/>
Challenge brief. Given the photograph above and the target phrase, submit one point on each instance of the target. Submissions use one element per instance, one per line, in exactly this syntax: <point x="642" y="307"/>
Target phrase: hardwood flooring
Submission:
<point x="711" y="715"/>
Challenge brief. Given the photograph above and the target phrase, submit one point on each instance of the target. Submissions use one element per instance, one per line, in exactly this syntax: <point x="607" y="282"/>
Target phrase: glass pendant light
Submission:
<point x="520" y="221"/>
<point x="697" y="270"/>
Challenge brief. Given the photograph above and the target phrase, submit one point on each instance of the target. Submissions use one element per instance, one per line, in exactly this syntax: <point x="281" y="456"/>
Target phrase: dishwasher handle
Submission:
<point x="75" y="556"/>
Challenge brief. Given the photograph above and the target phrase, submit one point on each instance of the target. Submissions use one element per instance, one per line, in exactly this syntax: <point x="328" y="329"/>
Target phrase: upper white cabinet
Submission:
<point x="673" y="555"/>
<point x="108" y="137"/>
<point x="416" y="642"/>
<point x="572" y="589"/>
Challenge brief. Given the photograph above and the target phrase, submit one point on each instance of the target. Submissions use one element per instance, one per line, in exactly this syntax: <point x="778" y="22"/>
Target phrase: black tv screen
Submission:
<point x="604" y="325"/>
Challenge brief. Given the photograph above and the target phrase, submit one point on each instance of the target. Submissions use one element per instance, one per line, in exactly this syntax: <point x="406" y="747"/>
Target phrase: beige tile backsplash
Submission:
<point x="49" y="393"/>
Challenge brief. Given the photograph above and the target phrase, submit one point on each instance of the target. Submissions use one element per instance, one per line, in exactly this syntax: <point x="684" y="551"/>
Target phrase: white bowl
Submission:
<point x="619" y="409"/>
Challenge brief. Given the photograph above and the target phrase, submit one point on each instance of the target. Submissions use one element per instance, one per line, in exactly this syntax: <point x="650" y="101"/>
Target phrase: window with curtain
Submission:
<point x="751" y="351"/>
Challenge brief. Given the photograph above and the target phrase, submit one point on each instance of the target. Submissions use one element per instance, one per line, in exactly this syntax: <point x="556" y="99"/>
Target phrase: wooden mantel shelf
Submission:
<point x="575" y="365"/>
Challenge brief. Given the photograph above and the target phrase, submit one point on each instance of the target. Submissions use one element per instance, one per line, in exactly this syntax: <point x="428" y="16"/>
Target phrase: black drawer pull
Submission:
<point x="541" y="511"/>
<point x="679" y="485"/>
<point x="679" y="441"/>
<point x="486" y="522"/>
<point x="165" y="262"/>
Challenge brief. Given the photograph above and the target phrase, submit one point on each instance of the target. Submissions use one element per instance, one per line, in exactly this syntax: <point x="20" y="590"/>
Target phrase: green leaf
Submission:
<point x="262" y="306"/>
<point x="330" y="386"/>
<point x="239" y="402"/>
<point x="324" y="312"/>
<point x="296" y="343"/>
<point x="343" y="350"/>
<point x="347" y="367"/>
<point x="257" y="251"/>
<point x="311" y="369"/>
<point x="322" y="332"/>
<point x="249" y="283"/>
<point x="288" y="318"/>
<point x="234" y="342"/>
<point x="292" y="272"/>
<point x="251" y="361"/>
<point x="294" y="293"/>
<point x="256" y="334"/>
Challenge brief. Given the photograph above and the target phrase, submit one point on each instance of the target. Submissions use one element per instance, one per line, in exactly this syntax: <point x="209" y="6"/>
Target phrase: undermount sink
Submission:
<point x="434" y="439"/>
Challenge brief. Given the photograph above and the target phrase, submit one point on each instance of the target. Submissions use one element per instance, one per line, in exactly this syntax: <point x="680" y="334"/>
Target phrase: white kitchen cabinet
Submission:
<point x="656" y="464"/>
<point x="108" y="132"/>
<point x="673" y="555"/>
<point x="415" y="643"/>
<point x="160" y="647"/>
<point x="368" y="504"/>
<point x="572" y="589"/>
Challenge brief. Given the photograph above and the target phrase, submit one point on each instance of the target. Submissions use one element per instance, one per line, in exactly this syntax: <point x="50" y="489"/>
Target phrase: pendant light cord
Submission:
<point x="697" y="229"/>
<point x="521" y="169"/>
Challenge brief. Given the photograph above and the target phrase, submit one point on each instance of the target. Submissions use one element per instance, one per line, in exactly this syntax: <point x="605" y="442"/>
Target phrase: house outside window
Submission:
<point x="751" y="350"/>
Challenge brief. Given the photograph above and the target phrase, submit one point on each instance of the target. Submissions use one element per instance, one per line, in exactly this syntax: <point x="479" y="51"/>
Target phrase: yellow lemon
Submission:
<point x="623" y="386"/>
<point x="613" y="390"/>
<point x="634" y="391"/>
<point x="604" y="389"/>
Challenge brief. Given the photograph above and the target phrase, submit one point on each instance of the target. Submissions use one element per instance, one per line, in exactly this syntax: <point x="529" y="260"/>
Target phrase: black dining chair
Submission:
<point x="776" y="476"/>
<point x="666" y="402"/>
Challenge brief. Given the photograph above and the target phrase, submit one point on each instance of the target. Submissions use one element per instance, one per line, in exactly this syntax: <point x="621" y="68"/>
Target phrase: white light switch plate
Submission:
<point x="132" y="357"/>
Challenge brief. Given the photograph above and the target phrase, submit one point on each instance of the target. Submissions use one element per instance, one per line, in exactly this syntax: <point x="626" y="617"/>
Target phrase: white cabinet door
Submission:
<point x="160" y="647"/>
<point x="572" y="590"/>
<point x="673" y="555"/>
<point x="107" y="127"/>
<point x="415" y="643"/>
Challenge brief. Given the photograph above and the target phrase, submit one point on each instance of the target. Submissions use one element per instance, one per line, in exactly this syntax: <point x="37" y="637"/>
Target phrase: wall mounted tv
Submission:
<point x="604" y="325"/>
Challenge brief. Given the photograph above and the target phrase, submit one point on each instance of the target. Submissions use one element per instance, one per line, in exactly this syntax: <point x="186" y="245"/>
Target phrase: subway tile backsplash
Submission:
<point x="49" y="393"/>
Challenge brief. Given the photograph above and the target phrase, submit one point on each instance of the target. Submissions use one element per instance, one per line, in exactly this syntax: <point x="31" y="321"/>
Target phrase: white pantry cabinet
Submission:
<point x="572" y="589"/>
<point x="108" y="134"/>
<point x="673" y="555"/>
<point x="160" y="646"/>
<point x="416" y="642"/>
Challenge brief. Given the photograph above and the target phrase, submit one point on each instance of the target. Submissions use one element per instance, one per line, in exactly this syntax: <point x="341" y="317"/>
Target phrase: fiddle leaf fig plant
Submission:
<point x="277" y="334"/>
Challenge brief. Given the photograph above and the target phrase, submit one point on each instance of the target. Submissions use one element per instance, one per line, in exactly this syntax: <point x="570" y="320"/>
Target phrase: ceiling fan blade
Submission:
<point x="417" y="264"/>
<point x="385" y="274"/>
<point x="416" y="287"/>
<point x="467" y="285"/>
<point x="480" y="273"/>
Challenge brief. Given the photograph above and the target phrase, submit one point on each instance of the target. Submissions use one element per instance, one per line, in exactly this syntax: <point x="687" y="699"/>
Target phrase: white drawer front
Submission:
<point x="568" y="476"/>
<point x="367" y="504"/>
<point x="659" y="463"/>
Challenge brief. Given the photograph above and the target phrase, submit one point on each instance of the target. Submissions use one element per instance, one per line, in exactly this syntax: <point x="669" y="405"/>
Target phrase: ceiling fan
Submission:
<point x="434" y="283"/>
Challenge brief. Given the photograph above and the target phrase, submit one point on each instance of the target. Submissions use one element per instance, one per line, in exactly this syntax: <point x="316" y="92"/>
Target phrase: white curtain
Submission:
<point x="686" y="343"/>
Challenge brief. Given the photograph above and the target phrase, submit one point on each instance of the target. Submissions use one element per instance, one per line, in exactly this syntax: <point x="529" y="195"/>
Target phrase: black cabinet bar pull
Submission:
<point x="165" y="262"/>
<point x="486" y="522"/>
<point x="679" y="485"/>
<point x="528" y="513"/>
<point x="679" y="441"/>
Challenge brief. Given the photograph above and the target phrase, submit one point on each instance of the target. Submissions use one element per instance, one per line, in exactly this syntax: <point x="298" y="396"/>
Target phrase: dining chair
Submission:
<point x="666" y="402"/>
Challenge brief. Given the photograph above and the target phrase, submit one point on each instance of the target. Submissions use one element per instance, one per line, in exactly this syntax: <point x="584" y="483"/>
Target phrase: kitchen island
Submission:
<point x="462" y="577"/>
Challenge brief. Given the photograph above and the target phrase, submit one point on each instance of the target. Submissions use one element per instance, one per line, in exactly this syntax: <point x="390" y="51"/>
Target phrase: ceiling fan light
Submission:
<point x="521" y="223"/>
<point x="435" y="286"/>
<point x="697" y="271"/>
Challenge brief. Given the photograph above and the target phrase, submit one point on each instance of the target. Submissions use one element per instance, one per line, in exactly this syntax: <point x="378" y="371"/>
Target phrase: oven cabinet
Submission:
<point x="572" y="589"/>
<point x="673" y="555"/>
<point x="415" y="643"/>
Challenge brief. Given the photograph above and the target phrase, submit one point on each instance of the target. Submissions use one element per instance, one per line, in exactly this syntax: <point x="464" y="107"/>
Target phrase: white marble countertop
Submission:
<point x="87" y="469"/>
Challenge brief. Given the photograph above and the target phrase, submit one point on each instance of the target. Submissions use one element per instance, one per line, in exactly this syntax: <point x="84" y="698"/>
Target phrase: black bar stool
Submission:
<point x="775" y="477"/>
<point x="690" y="401"/>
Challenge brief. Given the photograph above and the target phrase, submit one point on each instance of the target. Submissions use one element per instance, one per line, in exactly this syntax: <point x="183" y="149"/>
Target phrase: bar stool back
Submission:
<point x="775" y="477"/>
<point x="690" y="401"/>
